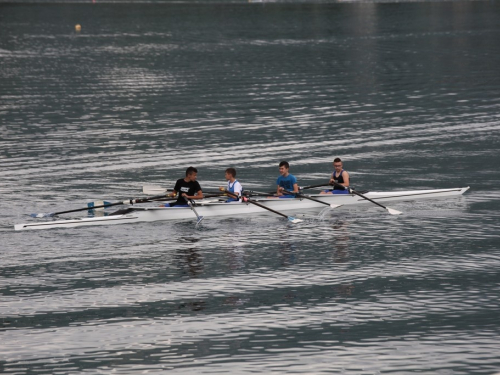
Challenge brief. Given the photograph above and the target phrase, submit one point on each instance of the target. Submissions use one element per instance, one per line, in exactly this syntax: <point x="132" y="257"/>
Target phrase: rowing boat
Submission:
<point x="215" y="208"/>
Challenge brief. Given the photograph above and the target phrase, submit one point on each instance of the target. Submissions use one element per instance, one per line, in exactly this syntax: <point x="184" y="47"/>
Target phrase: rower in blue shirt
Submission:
<point x="286" y="181"/>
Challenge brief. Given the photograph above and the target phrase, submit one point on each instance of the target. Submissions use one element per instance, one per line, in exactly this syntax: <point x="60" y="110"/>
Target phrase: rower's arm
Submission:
<point x="346" y="179"/>
<point x="295" y="188"/>
<point x="278" y="191"/>
<point x="345" y="175"/>
<point x="198" y="195"/>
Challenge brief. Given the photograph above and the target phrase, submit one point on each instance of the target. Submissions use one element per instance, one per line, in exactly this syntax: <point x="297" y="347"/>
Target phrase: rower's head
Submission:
<point x="191" y="174"/>
<point x="284" y="167"/>
<point x="230" y="174"/>
<point x="337" y="164"/>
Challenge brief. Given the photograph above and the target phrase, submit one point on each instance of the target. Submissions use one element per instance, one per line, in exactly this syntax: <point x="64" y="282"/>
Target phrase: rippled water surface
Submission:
<point x="407" y="94"/>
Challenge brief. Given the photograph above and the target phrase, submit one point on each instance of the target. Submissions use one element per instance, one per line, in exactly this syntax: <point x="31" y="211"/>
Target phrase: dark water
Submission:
<point x="407" y="94"/>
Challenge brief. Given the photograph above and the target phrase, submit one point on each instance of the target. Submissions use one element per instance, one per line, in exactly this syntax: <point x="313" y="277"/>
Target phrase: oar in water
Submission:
<point x="290" y="218"/>
<point x="390" y="210"/>
<point x="130" y="201"/>
<point x="299" y="195"/>
<point x="198" y="217"/>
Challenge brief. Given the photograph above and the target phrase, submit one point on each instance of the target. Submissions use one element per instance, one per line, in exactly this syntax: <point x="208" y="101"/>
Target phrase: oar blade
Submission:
<point x="40" y="215"/>
<point x="153" y="189"/>
<point x="294" y="220"/>
<point x="392" y="211"/>
<point x="335" y="205"/>
<point x="199" y="219"/>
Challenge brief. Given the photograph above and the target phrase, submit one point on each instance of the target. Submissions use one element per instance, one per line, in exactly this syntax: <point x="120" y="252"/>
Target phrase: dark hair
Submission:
<point x="231" y="171"/>
<point x="285" y="164"/>
<point x="191" y="170"/>
<point x="337" y="160"/>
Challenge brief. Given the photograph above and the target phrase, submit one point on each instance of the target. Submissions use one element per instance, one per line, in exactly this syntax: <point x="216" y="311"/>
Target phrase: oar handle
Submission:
<point x="231" y="194"/>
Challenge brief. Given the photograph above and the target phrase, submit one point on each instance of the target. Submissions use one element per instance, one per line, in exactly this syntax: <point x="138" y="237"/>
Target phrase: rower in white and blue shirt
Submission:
<point x="233" y="186"/>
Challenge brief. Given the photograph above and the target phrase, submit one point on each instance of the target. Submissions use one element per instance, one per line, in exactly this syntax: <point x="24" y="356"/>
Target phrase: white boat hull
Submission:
<point x="236" y="209"/>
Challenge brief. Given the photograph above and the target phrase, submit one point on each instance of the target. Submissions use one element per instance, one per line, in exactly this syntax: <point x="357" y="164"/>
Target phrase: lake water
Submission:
<point x="407" y="94"/>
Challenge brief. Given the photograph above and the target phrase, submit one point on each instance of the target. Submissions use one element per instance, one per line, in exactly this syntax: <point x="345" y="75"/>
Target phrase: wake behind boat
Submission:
<point x="215" y="208"/>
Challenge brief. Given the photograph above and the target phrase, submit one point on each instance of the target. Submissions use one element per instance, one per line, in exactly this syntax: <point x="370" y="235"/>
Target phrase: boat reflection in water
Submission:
<point x="341" y="242"/>
<point x="189" y="263"/>
<point x="340" y="254"/>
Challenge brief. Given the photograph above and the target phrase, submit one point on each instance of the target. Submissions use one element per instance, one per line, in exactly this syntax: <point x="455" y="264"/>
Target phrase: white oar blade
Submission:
<point x="392" y="211"/>
<point x="294" y="220"/>
<point x="153" y="190"/>
<point x="200" y="218"/>
<point x="50" y="214"/>
<point x="335" y="205"/>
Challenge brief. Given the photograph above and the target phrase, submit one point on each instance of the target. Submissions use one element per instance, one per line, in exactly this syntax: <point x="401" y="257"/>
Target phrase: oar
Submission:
<point x="298" y="195"/>
<point x="312" y="199"/>
<point x="290" y="218"/>
<point x="259" y="193"/>
<point x="390" y="210"/>
<point x="314" y="186"/>
<point x="198" y="217"/>
<point x="130" y="201"/>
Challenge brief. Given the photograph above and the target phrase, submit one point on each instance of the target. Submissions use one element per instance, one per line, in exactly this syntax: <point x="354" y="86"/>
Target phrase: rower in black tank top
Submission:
<point x="338" y="179"/>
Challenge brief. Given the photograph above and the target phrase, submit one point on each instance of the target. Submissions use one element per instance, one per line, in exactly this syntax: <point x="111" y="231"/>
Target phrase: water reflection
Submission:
<point x="96" y="116"/>
<point x="341" y="253"/>
<point x="340" y="241"/>
<point x="287" y="249"/>
<point x="193" y="305"/>
<point x="190" y="261"/>
<point x="234" y="252"/>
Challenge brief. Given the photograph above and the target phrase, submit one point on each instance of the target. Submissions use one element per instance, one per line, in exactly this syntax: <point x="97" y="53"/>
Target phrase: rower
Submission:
<point x="286" y="181"/>
<point x="341" y="177"/>
<point x="233" y="186"/>
<point x="187" y="187"/>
